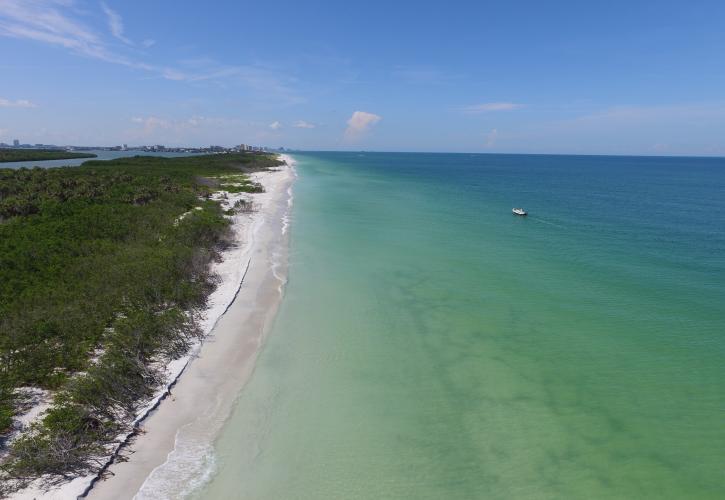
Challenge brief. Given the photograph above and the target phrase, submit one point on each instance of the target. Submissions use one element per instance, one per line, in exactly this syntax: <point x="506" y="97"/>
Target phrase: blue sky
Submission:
<point x="522" y="77"/>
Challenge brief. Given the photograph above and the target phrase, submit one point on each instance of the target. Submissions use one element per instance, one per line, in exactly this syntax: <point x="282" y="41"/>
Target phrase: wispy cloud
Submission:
<point x="61" y="24"/>
<point x="196" y="129"/>
<point x="491" y="137"/>
<point x="360" y="123"/>
<point x="304" y="124"/>
<point x="158" y="128"/>
<point x="20" y="103"/>
<point x="639" y="114"/>
<point x="57" y="22"/>
<point x="681" y="128"/>
<point x="275" y="125"/>
<point x="488" y="107"/>
<point x="264" y="81"/>
<point x="151" y="123"/>
<point x="115" y="23"/>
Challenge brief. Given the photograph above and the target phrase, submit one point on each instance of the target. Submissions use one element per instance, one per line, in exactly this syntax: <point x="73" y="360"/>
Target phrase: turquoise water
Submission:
<point x="432" y="345"/>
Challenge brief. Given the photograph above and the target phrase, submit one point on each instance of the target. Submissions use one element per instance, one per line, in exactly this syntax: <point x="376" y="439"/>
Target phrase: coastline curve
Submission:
<point x="178" y="432"/>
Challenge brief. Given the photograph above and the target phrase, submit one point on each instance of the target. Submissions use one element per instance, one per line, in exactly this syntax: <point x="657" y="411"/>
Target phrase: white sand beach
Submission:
<point x="172" y="453"/>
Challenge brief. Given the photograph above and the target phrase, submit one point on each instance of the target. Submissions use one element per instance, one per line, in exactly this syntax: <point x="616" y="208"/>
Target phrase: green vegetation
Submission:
<point x="237" y="183"/>
<point x="8" y="155"/>
<point x="101" y="283"/>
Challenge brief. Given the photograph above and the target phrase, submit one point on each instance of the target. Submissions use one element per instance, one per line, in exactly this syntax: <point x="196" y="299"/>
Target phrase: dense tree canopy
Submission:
<point x="9" y="155"/>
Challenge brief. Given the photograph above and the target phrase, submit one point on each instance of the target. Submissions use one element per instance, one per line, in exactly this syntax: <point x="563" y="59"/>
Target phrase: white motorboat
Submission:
<point x="519" y="211"/>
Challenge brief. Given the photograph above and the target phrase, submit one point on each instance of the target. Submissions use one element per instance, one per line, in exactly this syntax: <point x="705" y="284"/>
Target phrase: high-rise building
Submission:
<point x="16" y="143"/>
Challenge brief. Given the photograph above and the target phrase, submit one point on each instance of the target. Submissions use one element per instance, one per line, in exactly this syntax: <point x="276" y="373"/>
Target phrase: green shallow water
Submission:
<point x="431" y="345"/>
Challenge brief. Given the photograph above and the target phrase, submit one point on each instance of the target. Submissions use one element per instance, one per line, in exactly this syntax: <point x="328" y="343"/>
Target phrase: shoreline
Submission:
<point x="177" y="436"/>
<point x="234" y="323"/>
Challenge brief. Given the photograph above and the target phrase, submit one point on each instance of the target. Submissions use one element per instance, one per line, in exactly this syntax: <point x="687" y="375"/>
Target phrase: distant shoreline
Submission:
<point x="13" y="155"/>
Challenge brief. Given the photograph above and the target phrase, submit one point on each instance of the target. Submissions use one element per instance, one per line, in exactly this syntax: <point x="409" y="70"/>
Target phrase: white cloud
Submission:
<point x="148" y="43"/>
<point x="491" y="138"/>
<point x="491" y="106"/>
<point x="115" y="23"/>
<point x="275" y="125"/>
<point x="303" y="124"/>
<point x="20" y="103"/>
<point x="359" y="123"/>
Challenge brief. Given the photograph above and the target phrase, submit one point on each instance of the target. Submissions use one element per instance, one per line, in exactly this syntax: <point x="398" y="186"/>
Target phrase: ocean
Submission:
<point x="432" y="345"/>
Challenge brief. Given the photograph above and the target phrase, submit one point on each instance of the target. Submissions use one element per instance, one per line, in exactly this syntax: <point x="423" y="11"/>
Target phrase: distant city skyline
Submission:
<point x="565" y="77"/>
<point x="144" y="147"/>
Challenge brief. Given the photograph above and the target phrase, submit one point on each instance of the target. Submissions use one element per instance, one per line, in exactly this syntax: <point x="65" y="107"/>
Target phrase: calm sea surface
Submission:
<point x="431" y="345"/>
